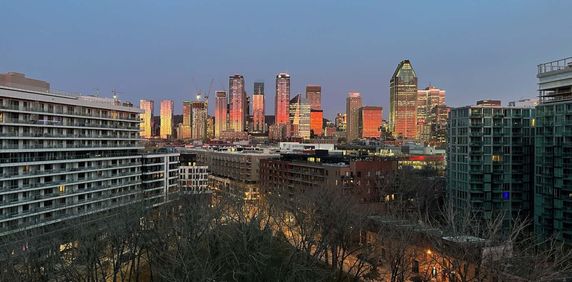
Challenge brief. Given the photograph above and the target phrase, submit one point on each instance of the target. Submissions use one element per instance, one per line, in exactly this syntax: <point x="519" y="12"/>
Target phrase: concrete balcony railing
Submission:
<point x="64" y="146"/>
<point x="57" y="123"/>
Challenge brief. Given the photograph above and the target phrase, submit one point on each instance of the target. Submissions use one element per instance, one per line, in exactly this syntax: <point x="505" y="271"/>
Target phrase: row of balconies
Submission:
<point x="38" y="197"/>
<point x="53" y="184"/>
<point x="16" y="161"/>
<point x="115" y="135"/>
<point x="12" y="223"/>
<point x="38" y="173"/>
<point x="68" y="124"/>
<point x="55" y="111"/>
<point x="67" y="146"/>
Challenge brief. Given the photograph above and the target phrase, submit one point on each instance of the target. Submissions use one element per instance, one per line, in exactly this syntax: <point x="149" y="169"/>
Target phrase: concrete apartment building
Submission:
<point x="193" y="177"/>
<point x="64" y="157"/>
<point x="314" y="168"/>
<point x="160" y="176"/>
<point x="233" y="170"/>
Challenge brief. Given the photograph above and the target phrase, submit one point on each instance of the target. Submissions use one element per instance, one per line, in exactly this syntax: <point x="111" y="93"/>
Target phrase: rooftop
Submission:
<point x="555" y="66"/>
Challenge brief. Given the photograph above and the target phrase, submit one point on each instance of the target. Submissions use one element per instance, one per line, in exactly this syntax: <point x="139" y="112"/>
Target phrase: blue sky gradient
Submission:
<point x="170" y="49"/>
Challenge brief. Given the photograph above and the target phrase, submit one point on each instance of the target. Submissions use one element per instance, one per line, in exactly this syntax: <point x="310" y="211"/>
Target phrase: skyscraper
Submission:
<point x="553" y="152"/>
<point x="299" y="117"/>
<point x="146" y="125"/>
<point x="282" y="98"/>
<point x="353" y="105"/>
<point x="187" y="120"/>
<point x="237" y="97"/>
<point x="403" y="101"/>
<point x="429" y="113"/>
<point x="314" y="96"/>
<point x="370" y="122"/>
<point x="258" y="107"/>
<point x="199" y="120"/>
<point x="166" y="119"/>
<point x="220" y="113"/>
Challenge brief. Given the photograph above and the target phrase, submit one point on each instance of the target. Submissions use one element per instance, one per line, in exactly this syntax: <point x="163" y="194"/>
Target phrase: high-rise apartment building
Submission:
<point x="146" y="125"/>
<point x="185" y="128"/>
<point x="429" y="118"/>
<point x="282" y="105"/>
<point x="237" y="103"/>
<point x="258" y="109"/>
<point x="314" y="96"/>
<point x="199" y="120"/>
<point x="553" y="144"/>
<point x="220" y="113"/>
<point x="20" y="81"/>
<point x="64" y="157"/>
<point x="167" y="107"/>
<point x="353" y="105"/>
<point x="299" y="117"/>
<point x="403" y="101"/>
<point x="490" y="160"/>
<point x="316" y="122"/>
<point x="370" y="118"/>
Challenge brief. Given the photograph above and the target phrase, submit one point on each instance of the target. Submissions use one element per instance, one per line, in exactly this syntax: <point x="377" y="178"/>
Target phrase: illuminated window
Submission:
<point x="62" y="188"/>
<point x="497" y="158"/>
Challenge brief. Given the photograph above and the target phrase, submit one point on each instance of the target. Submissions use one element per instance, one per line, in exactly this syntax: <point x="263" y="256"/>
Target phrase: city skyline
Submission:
<point x="167" y="65"/>
<point x="308" y="141"/>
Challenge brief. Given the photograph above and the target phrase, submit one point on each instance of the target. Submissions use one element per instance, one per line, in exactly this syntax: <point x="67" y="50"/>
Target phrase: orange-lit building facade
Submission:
<point x="282" y="103"/>
<point x="220" y="113"/>
<point x="370" y="121"/>
<point x="403" y="101"/>
<point x="314" y="96"/>
<point x="237" y="96"/>
<point x="146" y="125"/>
<point x="317" y="122"/>
<point x="258" y="111"/>
<point x="166" y="119"/>
<point x="353" y="105"/>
